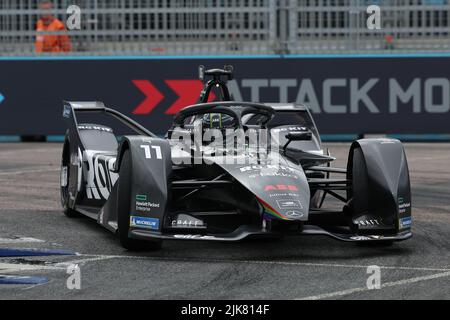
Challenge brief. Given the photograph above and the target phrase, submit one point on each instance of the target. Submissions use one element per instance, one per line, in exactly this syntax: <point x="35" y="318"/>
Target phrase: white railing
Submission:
<point x="211" y="27"/>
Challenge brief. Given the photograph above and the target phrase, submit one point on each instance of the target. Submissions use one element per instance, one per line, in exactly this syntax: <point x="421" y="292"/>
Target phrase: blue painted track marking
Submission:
<point x="13" y="252"/>
<point x="7" y="279"/>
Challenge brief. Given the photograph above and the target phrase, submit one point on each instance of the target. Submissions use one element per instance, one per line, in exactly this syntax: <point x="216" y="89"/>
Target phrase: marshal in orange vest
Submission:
<point x="49" y="42"/>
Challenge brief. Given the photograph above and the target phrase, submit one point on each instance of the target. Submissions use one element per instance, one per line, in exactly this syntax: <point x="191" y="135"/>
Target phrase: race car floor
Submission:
<point x="291" y="268"/>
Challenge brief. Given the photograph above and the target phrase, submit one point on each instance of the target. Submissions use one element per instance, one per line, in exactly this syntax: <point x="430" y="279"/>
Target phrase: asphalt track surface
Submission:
<point x="293" y="268"/>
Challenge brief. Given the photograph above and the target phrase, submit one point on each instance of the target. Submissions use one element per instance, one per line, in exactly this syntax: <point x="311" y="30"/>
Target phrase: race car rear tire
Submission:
<point x="64" y="190"/>
<point x="123" y="210"/>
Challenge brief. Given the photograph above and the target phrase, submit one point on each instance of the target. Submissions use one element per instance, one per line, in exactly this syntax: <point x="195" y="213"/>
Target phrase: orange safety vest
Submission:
<point x="52" y="43"/>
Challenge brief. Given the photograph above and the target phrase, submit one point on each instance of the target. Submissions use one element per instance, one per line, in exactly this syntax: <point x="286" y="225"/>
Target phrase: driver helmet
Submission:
<point x="218" y="121"/>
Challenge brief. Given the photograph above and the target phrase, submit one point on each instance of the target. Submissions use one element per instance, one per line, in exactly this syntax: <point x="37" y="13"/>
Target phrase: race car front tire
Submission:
<point x="64" y="189"/>
<point x="123" y="210"/>
<point x="360" y="201"/>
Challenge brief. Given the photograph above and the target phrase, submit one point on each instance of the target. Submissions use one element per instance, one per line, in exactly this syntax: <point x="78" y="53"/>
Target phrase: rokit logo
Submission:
<point x="99" y="175"/>
<point x="92" y="127"/>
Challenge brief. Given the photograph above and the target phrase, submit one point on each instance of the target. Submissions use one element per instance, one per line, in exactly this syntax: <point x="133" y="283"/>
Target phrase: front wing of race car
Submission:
<point x="244" y="232"/>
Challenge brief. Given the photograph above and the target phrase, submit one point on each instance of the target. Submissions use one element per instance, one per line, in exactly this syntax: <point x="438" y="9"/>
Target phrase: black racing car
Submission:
<point x="148" y="189"/>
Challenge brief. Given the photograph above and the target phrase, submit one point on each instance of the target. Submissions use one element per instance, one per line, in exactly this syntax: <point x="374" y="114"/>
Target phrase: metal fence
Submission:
<point x="161" y="27"/>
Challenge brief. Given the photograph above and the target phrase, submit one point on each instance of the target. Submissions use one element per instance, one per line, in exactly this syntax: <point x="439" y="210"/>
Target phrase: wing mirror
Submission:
<point x="297" y="136"/>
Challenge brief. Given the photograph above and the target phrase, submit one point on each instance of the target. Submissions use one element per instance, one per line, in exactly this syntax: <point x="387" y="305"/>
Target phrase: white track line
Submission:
<point x="288" y="263"/>
<point x="93" y="257"/>
<point x="4" y="173"/>
<point x="66" y="264"/>
<point x="61" y="266"/>
<point x="20" y="240"/>
<point x="385" y="285"/>
<point x="15" y="267"/>
<point x="37" y="285"/>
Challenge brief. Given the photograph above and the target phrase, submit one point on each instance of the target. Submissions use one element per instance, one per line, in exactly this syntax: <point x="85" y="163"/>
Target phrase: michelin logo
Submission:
<point x="405" y="222"/>
<point x="144" y="222"/>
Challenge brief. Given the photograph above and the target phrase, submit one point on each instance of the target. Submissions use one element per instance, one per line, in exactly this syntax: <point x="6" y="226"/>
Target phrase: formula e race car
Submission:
<point x="207" y="180"/>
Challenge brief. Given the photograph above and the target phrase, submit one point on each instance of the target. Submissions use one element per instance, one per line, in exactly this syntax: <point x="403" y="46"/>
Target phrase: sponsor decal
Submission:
<point x="187" y="223"/>
<point x="268" y="168"/>
<point x="273" y="174"/>
<point x="66" y="112"/>
<point x="387" y="141"/>
<point x="367" y="222"/>
<point x="405" y="222"/>
<point x="192" y="236"/>
<point x="288" y="129"/>
<point x="294" y="214"/>
<point x="141" y="197"/>
<point x="92" y="127"/>
<point x="280" y="187"/>
<point x="279" y="195"/>
<point x="363" y="238"/>
<point x="403" y="205"/>
<point x="144" y="222"/>
<point x="100" y="175"/>
<point x="289" y="204"/>
<point x="145" y="205"/>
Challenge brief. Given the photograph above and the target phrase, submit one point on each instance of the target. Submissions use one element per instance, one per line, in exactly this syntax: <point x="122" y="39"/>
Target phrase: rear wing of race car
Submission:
<point x="72" y="108"/>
